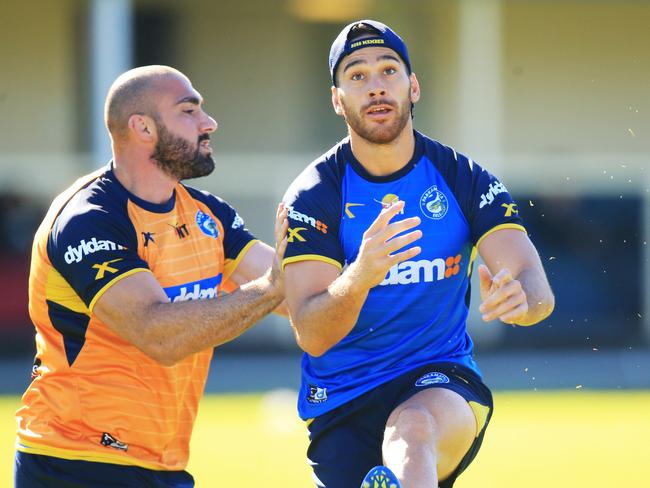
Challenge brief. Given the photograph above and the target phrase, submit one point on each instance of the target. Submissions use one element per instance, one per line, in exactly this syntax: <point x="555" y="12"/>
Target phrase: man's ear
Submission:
<point x="142" y="128"/>
<point x="415" y="88"/>
<point x="336" y="101"/>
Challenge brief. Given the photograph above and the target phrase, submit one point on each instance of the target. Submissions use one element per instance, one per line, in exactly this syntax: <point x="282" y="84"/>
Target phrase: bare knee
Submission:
<point x="412" y="424"/>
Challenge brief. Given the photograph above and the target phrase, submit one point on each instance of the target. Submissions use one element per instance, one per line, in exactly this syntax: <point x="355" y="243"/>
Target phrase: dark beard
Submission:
<point x="378" y="134"/>
<point x="179" y="158"/>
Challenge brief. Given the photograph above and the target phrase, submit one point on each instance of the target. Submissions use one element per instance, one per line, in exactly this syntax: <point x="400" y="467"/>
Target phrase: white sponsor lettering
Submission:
<point x="76" y="254"/>
<point x="196" y="293"/>
<point x="493" y="190"/>
<point x="300" y="217"/>
<point x="409" y="272"/>
<point x="237" y="222"/>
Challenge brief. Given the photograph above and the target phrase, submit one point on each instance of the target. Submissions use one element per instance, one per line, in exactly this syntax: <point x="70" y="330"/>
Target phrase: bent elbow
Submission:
<point x="315" y="347"/>
<point x="543" y="310"/>
<point x="314" y="350"/>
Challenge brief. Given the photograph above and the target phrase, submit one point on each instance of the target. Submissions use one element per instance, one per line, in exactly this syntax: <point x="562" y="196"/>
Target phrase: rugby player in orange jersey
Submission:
<point x="127" y="269"/>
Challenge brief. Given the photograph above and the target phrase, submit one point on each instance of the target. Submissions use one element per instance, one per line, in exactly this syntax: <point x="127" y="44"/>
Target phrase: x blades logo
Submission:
<point x="510" y="209"/>
<point x="148" y="237"/>
<point x="294" y="234"/>
<point x="347" y="209"/>
<point x="105" y="268"/>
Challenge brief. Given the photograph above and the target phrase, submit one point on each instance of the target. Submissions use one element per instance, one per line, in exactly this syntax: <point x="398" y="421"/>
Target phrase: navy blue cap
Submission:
<point x="383" y="36"/>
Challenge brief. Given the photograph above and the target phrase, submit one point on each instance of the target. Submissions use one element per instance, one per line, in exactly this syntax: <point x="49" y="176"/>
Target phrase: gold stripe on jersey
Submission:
<point x="500" y="227"/>
<point x="104" y="288"/>
<point x="472" y="257"/>
<point x="311" y="257"/>
<point x="231" y="264"/>
<point x="58" y="290"/>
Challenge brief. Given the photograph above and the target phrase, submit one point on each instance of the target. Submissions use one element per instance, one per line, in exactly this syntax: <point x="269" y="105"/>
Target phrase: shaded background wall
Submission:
<point x="552" y="96"/>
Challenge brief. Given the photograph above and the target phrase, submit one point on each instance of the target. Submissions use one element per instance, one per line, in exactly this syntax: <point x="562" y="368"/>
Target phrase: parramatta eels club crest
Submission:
<point x="434" y="203"/>
<point x="207" y="224"/>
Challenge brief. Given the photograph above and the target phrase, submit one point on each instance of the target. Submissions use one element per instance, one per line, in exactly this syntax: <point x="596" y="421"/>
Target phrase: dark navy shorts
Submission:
<point x="37" y="471"/>
<point x="345" y="443"/>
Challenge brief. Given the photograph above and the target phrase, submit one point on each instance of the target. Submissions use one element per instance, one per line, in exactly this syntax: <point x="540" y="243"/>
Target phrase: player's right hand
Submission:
<point x="380" y="249"/>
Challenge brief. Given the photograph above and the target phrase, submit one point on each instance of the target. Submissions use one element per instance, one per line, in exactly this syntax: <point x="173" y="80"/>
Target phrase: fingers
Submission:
<point x="502" y="277"/>
<point x="384" y="217"/>
<point x="506" y="306"/>
<point x="404" y="255"/>
<point x="281" y="223"/>
<point x="280" y="248"/>
<point x="401" y="241"/>
<point x="485" y="281"/>
<point x="396" y="228"/>
<point x="516" y="314"/>
<point x="506" y="302"/>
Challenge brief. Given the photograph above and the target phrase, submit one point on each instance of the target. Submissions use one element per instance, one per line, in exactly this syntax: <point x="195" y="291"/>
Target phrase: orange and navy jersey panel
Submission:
<point x="94" y="396"/>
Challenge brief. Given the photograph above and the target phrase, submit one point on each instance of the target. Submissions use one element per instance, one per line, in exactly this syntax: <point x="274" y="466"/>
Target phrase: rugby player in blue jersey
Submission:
<point x="383" y="232"/>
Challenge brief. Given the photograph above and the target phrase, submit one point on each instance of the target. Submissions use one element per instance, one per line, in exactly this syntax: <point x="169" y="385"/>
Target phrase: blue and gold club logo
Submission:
<point x="434" y="203"/>
<point x="207" y="224"/>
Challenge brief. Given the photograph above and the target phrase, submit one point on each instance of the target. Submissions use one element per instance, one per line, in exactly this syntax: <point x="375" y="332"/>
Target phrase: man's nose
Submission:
<point x="209" y="124"/>
<point x="376" y="89"/>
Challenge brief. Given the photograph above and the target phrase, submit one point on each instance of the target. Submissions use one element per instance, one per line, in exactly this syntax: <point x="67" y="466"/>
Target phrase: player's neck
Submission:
<point x="384" y="159"/>
<point x="141" y="177"/>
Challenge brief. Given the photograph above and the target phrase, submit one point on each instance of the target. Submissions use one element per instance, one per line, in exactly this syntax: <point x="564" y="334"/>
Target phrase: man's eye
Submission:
<point x="189" y="111"/>
<point x="390" y="71"/>
<point x="356" y="77"/>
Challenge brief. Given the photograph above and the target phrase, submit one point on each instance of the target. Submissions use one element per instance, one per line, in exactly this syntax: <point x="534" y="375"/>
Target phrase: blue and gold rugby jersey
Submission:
<point x="95" y="396"/>
<point x="418" y="313"/>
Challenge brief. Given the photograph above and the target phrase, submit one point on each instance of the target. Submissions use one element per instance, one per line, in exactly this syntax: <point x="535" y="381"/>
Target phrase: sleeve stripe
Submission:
<point x="499" y="227"/>
<point x="111" y="283"/>
<point x="231" y="264"/>
<point x="311" y="257"/>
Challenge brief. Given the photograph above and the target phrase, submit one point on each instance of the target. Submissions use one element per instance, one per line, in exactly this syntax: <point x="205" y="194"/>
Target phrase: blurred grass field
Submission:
<point x="565" y="439"/>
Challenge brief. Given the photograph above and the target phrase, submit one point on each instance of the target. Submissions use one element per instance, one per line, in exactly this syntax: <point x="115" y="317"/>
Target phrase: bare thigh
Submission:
<point x="446" y="416"/>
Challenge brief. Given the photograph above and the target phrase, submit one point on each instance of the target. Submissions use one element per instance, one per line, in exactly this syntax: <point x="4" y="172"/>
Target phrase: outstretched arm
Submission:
<point x="514" y="287"/>
<point x="324" y="304"/>
<point x="138" y="310"/>
<point x="260" y="258"/>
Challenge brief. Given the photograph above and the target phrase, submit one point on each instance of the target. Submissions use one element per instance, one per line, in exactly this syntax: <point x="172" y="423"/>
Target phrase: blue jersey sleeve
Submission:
<point x="93" y="246"/>
<point x="484" y="200"/>
<point x="314" y="212"/>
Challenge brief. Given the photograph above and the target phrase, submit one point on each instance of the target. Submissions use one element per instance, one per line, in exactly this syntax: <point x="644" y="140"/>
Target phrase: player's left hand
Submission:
<point x="502" y="297"/>
<point x="280" y="231"/>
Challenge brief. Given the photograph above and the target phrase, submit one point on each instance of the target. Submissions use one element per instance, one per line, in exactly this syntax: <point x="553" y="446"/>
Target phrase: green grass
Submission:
<point x="569" y="439"/>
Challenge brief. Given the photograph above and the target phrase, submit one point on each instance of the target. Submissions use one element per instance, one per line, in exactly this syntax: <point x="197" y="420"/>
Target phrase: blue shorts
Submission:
<point x="37" y="471"/>
<point x="345" y="443"/>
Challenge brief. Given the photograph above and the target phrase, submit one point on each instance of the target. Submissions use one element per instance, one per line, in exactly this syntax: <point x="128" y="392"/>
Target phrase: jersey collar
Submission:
<point x="165" y="207"/>
<point x="361" y="171"/>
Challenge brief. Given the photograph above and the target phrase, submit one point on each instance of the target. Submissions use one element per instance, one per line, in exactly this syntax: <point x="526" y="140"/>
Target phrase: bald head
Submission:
<point x="134" y="92"/>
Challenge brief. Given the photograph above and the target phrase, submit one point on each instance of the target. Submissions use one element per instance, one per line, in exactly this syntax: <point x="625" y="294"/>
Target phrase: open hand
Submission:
<point x="378" y="250"/>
